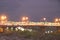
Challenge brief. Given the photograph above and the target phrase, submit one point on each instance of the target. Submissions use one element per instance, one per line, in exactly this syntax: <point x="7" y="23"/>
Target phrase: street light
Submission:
<point x="56" y="20"/>
<point x="44" y="19"/>
<point x="3" y="18"/>
<point x="25" y="19"/>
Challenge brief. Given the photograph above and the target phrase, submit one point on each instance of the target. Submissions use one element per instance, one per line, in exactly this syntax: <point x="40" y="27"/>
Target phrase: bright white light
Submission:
<point x="20" y="28"/>
<point x="51" y="31"/>
<point x="24" y="19"/>
<point x="48" y="31"/>
<point x="44" y="18"/>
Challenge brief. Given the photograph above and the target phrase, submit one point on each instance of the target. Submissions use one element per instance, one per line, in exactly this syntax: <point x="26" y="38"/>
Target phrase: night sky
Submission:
<point x="34" y="9"/>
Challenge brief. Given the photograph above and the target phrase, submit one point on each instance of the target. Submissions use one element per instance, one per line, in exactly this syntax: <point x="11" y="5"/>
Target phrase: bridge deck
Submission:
<point x="30" y="24"/>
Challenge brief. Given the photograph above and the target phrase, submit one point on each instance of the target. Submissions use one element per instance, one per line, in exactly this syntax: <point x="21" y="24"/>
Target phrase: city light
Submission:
<point x="25" y="19"/>
<point x="44" y="19"/>
<point x="57" y="20"/>
<point x="3" y="18"/>
<point x="20" y="28"/>
<point x="48" y="32"/>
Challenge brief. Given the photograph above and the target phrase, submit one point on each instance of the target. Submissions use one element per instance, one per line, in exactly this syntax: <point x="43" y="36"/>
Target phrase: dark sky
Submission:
<point x="34" y="9"/>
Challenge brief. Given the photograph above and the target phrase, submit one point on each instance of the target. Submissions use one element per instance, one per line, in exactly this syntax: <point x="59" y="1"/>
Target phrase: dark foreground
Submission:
<point x="26" y="35"/>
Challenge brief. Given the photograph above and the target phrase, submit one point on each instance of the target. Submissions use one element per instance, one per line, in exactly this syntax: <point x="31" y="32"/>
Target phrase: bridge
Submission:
<point x="9" y="23"/>
<point x="25" y="23"/>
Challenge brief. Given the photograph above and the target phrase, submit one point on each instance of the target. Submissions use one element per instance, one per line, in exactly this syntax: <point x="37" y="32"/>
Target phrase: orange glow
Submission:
<point x="56" y="19"/>
<point x="3" y="17"/>
<point x="24" y="19"/>
<point x="59" y="19"/>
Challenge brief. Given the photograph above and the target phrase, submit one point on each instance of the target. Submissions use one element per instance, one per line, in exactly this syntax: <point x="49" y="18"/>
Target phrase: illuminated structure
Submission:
<point x="11" y="25"/>
<point x="25" y="21"/>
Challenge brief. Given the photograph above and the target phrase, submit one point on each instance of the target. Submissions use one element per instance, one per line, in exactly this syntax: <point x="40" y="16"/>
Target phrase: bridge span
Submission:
<point x="43" y="26"/>
<point x="30" y="24"/>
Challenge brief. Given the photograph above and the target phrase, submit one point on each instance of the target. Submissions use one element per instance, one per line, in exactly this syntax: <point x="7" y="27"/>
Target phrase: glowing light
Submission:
<point x="25" y="19"/>
<point x="46" y="32"/>
<point x="3" y="17"/>
<point x="56" y="19"/>
<point x="51" y="31"/>
<point x="44" y="18"/>
<point x="59" y="19"/>
<point x="20" y="28"/>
